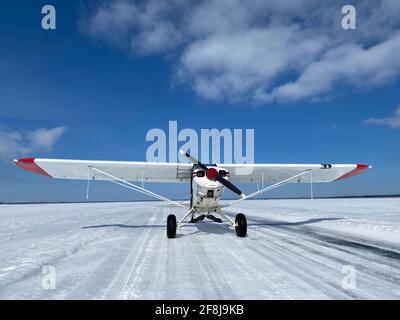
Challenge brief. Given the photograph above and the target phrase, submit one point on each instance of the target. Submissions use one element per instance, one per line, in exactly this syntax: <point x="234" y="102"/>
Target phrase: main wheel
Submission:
<point x="171" y="226"/>
<point x="241" y="225"/>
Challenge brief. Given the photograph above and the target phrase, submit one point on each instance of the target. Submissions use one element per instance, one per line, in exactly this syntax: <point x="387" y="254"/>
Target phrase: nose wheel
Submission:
<point x="171" y="226"/>
<point x="241" y="225"/>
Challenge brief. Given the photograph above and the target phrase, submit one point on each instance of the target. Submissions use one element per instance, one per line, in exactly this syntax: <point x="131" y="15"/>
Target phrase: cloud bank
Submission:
<point x="257" y="51"/>
<point x="21" y="143"/>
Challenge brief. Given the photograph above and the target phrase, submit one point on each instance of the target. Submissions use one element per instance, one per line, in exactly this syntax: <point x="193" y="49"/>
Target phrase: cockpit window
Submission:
<point x="200" y="173"/>
<point x="223" y="173"/>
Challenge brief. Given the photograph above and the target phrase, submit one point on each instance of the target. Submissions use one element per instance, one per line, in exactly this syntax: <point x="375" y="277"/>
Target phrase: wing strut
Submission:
<point x="311" y="187"/>
<point x="276" y="185"/>
<point x="88" y="184"/>
<point x="128" y="185"/>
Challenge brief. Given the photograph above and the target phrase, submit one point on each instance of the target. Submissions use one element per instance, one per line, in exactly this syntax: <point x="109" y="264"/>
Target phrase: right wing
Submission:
<point x="272" y="173"/>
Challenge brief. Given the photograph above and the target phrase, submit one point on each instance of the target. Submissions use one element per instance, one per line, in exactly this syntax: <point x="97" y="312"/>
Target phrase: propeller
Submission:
<point x="213" y="174"/>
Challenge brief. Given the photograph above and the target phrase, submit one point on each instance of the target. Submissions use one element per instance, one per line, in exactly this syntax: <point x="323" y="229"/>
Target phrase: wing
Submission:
<point x="271" y="173"/>
<point x="127" y="170"/>
<point x="181" y="172"/>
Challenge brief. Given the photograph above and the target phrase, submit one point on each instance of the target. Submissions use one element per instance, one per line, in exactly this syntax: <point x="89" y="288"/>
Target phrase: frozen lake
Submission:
<point x="295" y="249"/>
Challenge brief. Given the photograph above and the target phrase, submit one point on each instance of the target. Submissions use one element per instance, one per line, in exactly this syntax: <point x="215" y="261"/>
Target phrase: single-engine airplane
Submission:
<point x="207" y="181"/>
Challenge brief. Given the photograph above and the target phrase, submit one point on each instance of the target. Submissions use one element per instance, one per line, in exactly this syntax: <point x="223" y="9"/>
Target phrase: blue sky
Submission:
<point x="111" y="71"/>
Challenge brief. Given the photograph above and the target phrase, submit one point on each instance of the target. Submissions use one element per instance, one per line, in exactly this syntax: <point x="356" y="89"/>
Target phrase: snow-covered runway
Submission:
<point x="295" y="249"/>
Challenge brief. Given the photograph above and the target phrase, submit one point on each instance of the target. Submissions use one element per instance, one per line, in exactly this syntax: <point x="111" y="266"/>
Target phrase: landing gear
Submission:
<point x="171" y="226"/>
<point x="241" y="225"/>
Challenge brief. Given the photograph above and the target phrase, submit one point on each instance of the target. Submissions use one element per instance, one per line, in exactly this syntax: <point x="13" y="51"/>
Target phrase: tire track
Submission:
<point x="117" y="287"/>
<point x="368" y="258"/>
<point x="315" y="257"/>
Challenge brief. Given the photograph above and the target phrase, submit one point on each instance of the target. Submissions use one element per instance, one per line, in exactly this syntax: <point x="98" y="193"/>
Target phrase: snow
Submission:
<point x="295" y="249"/>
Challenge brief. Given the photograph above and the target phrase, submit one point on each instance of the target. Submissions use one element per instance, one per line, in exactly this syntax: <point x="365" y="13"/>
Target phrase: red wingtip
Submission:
<point x="359" y="169"/>
<point x="29" y="164"/>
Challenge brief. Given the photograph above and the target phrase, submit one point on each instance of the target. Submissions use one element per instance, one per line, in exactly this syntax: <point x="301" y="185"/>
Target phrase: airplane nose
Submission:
<point x="212" y="174"/>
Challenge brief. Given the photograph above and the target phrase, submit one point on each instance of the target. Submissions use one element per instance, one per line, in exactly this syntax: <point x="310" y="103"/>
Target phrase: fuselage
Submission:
<point x="206" y="190"/>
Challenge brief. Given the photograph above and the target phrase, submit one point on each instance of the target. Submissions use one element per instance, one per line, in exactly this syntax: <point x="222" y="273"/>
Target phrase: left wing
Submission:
<point x="126" y="170"/>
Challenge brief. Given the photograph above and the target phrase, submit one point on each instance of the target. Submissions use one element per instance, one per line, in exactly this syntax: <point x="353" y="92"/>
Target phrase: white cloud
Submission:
<point x="348" y="64"/>
<point x="258" y="51"/>
<point x="334" y="126"/>
<point x="20" y="143"/>
<point x="10" y="143"/>
<point x="392" y="122"/>
<point x="247" y="61"/>
<point x="143" y="29"/>
<point x="44" y="139"/>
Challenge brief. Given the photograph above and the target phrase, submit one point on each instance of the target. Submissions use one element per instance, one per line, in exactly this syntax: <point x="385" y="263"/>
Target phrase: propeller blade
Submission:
<point x="230" y="186"/>
<point x="193" y="159"/>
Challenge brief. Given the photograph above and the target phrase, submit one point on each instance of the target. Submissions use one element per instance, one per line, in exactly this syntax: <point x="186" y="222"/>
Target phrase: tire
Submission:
<point x="171" y="226"/>
<point x="241" y="228"/>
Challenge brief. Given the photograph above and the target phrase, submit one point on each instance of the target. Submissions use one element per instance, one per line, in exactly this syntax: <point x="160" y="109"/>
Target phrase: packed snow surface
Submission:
<point x="295" y="249"/>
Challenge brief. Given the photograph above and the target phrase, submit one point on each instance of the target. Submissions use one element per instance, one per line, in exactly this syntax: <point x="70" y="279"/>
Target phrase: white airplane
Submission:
<point x="207" y="182"/>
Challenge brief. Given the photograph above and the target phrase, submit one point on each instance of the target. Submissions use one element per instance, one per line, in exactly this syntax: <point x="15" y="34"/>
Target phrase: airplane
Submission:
<point x="207" y="181"/>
